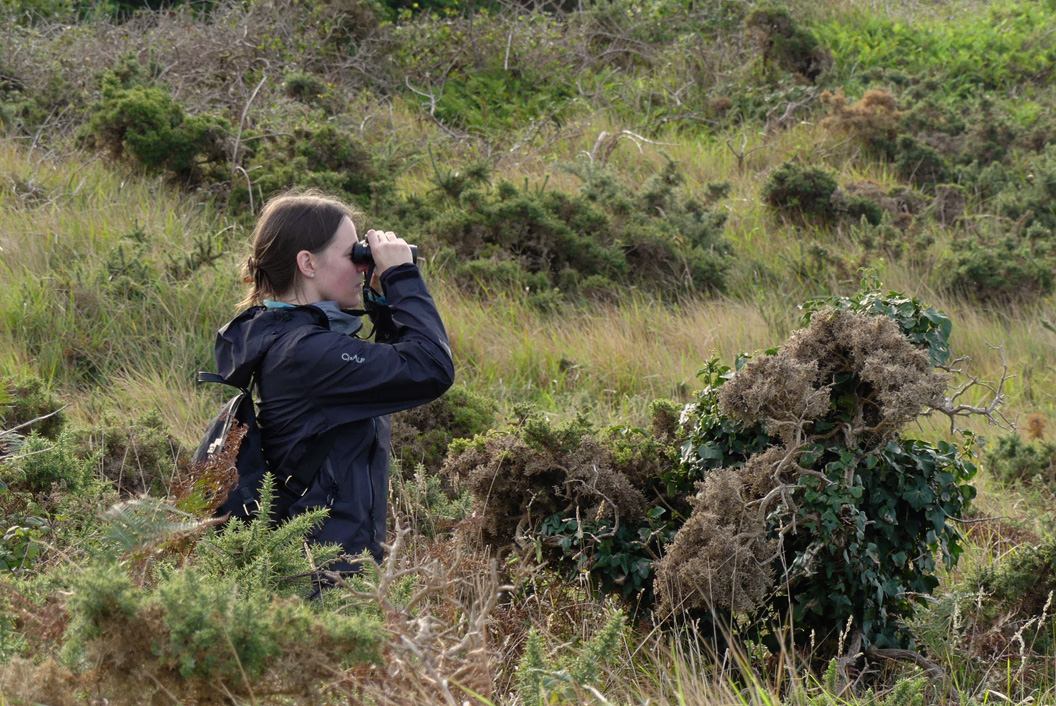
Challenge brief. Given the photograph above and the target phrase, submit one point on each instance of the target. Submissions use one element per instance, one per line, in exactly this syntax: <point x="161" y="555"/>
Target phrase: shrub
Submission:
<point x="801" y="192"/>
<point x="315" y="154"/>
<point x="140" y="120"/>
<point x="1012" y="459"/>
<point x="785" y="44"/>
<point x="872" y="120"/>
<point x="422" y="435"/>
<point x="596" y="501"/>
<point x="1011" y="269"/>
<point x="137" y="457"/>
<point x="42" y="464"/>
<point x="812" y="502"/>
<point x="657" y="237"/>
<point x="1018" y="606"/>
<point x="919" y="163"/>
<point x="25" y="398"/>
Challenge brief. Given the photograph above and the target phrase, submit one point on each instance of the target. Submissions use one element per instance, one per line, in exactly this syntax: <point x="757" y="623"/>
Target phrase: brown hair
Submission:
<point x="289" y="223"/>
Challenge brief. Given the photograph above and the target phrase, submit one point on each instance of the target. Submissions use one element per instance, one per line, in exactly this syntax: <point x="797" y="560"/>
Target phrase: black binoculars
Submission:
<point x="361" y="254"/>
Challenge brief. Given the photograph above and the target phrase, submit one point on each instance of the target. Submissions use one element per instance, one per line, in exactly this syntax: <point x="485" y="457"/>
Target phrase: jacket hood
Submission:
<point x="243" y="342"/>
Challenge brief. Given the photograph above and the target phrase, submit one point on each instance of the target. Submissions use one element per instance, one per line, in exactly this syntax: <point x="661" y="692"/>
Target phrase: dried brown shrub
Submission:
<point x="514" y="484"/>
<point x="872" y="120"/>
<point x="25" y="681"/>
<point x="721" y="556"/>
<point x="1036" y="424"/>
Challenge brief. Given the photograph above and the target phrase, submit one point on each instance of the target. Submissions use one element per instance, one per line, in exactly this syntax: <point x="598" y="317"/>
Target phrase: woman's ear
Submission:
<point x="305" y="265"/>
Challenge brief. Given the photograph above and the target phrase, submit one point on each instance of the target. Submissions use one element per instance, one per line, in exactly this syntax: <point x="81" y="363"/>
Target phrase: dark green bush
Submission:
<point x="920" y="164"/>
<point x="423" y="434"/>
<point x="137" y="457"/>
<point x="315" y="154"/>
<point x="1013" y="268"/>
<point x="138" y="119"/>
<point x="25" y="398"/>
<point x="1011" y="459"/>
<point x="785" y="44"/>
<point x="44" y="463"/>
<point x="538" y="239"/>
<point x="801" y="192"/>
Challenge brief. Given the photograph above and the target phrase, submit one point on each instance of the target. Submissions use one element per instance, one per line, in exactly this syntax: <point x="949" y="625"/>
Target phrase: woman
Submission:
<point x="314" y="377"/>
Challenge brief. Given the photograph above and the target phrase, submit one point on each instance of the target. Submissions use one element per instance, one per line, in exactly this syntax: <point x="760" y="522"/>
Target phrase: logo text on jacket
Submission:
<point x="352" y="358"/>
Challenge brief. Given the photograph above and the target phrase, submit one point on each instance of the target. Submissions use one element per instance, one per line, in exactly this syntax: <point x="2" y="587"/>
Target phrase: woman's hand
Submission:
<point x="387" y="251"/>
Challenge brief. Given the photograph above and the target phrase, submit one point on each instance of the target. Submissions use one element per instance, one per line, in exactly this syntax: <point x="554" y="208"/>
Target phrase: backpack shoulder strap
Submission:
<point x="301" y="479"/>
<point x="204" y="376"/>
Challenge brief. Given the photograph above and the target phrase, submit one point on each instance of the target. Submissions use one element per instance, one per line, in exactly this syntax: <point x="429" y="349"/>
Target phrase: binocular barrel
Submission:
<point x="361" y="254"/>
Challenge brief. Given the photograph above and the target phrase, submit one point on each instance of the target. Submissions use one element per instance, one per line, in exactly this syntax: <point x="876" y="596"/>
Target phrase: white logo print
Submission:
<point x="352" y="358"/>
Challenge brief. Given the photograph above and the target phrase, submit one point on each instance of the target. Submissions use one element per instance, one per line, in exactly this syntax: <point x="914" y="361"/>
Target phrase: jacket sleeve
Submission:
<point x="353" y="379"/>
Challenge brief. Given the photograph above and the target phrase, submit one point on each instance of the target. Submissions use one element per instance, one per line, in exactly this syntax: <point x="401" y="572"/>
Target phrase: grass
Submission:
<point x="92" y="297"/>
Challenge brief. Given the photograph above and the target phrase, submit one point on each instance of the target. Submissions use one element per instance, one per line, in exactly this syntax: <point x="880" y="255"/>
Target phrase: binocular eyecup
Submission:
<point x="361" y="254"/>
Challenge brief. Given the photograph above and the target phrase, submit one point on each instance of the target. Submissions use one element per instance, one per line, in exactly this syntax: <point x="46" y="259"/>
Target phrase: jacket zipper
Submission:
<point x="370" y="480"/>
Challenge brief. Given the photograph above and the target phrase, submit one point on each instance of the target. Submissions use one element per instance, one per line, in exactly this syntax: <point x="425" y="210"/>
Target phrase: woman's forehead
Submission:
<point x="346" y="233"/>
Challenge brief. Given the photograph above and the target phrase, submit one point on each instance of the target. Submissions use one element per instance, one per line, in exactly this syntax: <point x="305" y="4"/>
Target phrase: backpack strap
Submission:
<point x="301" y="479"/>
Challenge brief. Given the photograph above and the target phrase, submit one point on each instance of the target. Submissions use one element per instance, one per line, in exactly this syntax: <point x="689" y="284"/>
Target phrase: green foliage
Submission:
<point x="786" y="44"/>
<point x="137" y="456"/>
<point x="422" y="497"/>
<point x="801" y="192"/>
<point x="262" y="559"/>
<point x="20" y="544"/>
<point x="1011" y="459"/>
<point x="869" y="518"/>
<point x="43" y="464"/>
<point x="422" y="435"/>
<point x="25" y="398"/>
<point x="1012" y="268"/>
<point x="1020" y="594"/>
<point x="1011" y="35"/>
<point x="318" y="154"/>
<point x="139" y="119"/>
<point x="541" y="680"/>
<point x="920" y="164"/>
<point x="206" y="628"/>
<point x="657" y="237"/>
<point x="103" y="598"/>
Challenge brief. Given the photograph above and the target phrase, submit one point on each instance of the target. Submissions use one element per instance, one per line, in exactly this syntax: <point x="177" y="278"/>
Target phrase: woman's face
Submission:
<point x="337" y="278"/>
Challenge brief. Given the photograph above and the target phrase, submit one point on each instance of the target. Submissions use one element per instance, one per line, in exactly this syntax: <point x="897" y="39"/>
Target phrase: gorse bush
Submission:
<point x="1010" y="268"/>
<point x="139" y="119"/>
<point x="1012" y="459"/>
<point x="785" y="44"/>
<point x="656" y="237"/>
<point x="804" y="192"/>
<point x="812" y="502"/>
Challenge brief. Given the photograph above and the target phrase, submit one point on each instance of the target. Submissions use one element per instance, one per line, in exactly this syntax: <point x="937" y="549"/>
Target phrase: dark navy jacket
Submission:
<point x="312" y="379"/>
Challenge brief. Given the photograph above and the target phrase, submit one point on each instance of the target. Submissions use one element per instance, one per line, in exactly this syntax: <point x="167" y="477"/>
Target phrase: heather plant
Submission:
<point x="833" y="518"/>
